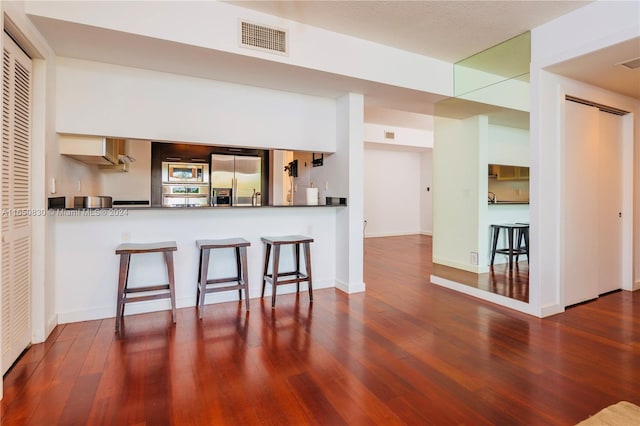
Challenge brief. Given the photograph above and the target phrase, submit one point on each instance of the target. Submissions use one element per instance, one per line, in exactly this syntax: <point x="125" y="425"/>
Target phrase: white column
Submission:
<point x="350" y="220"/>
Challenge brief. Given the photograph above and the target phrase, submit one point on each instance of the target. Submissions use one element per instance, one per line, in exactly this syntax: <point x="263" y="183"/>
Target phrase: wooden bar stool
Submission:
<point x="514" y="241"/>
<point x="298" y="276"/>
<point x="241" y="279"/>
<point x="161" y="291"/>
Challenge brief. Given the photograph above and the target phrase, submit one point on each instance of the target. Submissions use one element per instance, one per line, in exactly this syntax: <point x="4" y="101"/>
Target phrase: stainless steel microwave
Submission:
<point x="185" y="173"/>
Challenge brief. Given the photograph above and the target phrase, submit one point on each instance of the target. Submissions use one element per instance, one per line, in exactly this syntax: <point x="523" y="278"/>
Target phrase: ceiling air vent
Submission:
<point x="632" y="63"/>
<point x="264" y="38"/>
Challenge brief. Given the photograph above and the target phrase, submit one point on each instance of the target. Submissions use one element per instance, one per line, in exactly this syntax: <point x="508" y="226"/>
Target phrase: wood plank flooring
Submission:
<point x="499" y="280"/>
<point x="404" y="353"/>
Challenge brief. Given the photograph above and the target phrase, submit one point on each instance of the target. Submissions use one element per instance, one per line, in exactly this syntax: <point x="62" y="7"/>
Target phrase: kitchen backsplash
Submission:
<point x="510" y="190"/>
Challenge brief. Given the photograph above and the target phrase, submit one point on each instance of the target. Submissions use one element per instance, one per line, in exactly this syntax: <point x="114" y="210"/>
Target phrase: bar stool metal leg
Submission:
<point x="168" y="257"/>
<point x="238" y="270"/>
<point x="123" y="277"/>
<point x="297" y="267"/>
<point x="245" y="274"/>
<point x="202" y="282"/>
<point x="496" y="233"/>
<point x="274" y="270"/>
<point x="266" y="267"/>
<point x="307" y="257"/>
<point x="510" y="236"/>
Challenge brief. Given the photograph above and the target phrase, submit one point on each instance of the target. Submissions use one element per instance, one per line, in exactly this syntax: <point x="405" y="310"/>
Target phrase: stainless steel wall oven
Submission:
<point x="185" y="184"/>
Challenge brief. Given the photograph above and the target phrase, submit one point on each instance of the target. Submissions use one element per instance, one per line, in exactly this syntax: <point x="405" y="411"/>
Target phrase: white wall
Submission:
<point x="426" y="192"/>
<point x="87" y="266"/>
<point x="401" y="168"/>
<point x="347" y="167"/>
<point x="73" y="178"/>
<point x="303" y="180"/>
<point x="134" y="184"/>
<point x="110" y="100"/>
<point x="590" y="28"/>
<point x="509" y="145"/>
<point x="593" y="27"/>
<point x="152" y="105"/>
<point x="460" y="187"/>
<point x="392" y="192"/>
<point x="403" y="136"/>
<point x="280" y="180"/>
<point x="213" y="26"/>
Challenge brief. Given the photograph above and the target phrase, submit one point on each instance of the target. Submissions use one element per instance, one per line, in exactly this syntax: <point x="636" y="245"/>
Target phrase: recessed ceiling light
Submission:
<point x="631" y="63"/>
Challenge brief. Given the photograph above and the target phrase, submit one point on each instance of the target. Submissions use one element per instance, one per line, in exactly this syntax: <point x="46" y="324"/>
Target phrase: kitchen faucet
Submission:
<point x="492" y="198"/>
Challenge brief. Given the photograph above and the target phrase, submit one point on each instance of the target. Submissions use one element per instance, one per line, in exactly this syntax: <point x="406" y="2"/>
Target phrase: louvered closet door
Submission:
<point x="15" y="223"/>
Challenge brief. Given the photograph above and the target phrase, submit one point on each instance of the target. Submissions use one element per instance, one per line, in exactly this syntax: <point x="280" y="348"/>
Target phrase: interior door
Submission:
<point x="15" y="223"/>
<point x="592" y="203"/>
<point x="581" y="200"/>
<point x="610" y="203"/>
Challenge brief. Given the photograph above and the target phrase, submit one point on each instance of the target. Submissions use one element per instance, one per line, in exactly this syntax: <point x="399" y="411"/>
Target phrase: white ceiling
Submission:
<point x="447" y="30"/>
<point x="454" y="30"/>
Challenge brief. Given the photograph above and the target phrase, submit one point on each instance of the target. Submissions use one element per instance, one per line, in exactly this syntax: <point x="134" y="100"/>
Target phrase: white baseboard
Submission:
<point x="483" y="294"/>
<point x="636" y="285"/>
<point x="185" y="302"/>
<point x="390" y="234"/>
<point x="476" y="269"/>
<point x="547" y="311"/>
<point x="429" y="233"/>
<point x="51" y="324"/>
<point x="350" y="288"/>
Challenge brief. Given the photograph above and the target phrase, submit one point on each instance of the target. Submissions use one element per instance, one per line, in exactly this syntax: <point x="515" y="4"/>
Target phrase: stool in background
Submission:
<point x="514" y="241"/>
<point x="274" y="277"/>
<point x="241" y="279"/>
<point x="161" y="291"/>
<point x="522" y="236"/>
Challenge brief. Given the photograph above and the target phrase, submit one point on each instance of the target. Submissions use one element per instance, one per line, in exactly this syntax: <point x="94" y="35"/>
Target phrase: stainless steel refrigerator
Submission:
<point x="241" y="174"/>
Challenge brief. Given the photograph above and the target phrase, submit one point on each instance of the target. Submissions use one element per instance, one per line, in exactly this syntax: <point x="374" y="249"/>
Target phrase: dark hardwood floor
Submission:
<point x="499" y="280"/>
<point x="404" y="352"/>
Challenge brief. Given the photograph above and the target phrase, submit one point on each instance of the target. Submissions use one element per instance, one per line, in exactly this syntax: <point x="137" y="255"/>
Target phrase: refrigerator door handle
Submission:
<point x="234" y="191"/>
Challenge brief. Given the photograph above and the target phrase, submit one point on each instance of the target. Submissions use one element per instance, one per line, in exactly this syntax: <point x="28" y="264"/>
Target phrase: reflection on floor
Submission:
<point x="499" y="280"/>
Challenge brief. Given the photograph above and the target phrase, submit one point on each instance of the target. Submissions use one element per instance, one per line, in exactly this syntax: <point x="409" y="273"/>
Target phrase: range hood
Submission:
<point x="99" y="150"/>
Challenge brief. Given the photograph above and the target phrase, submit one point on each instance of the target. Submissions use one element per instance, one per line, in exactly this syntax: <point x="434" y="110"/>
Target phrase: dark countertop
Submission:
<point x="508" y="203"/>
<point x="156" y="207"/>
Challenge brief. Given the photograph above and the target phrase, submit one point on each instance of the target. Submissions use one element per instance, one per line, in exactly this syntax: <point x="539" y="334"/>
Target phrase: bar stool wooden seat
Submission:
<point x="516" y="233"/>
<point x="161" y="291"/>
<point x="297" y="276"/>
<point x="241" y="280"/>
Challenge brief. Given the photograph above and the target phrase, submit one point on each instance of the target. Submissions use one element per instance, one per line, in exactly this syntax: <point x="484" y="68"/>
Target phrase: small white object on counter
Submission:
<point x="312" y="196"/>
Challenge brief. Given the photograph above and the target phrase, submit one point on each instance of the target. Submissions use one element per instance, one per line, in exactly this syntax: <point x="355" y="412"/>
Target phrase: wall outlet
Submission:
<point x="474" y="258"/>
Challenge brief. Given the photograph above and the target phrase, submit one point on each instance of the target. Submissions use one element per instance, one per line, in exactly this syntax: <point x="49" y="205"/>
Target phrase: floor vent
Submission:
<point x="264" y="38"/>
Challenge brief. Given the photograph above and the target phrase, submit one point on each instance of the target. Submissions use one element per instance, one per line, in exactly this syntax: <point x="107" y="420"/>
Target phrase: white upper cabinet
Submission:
<point x="92" y="149"/>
